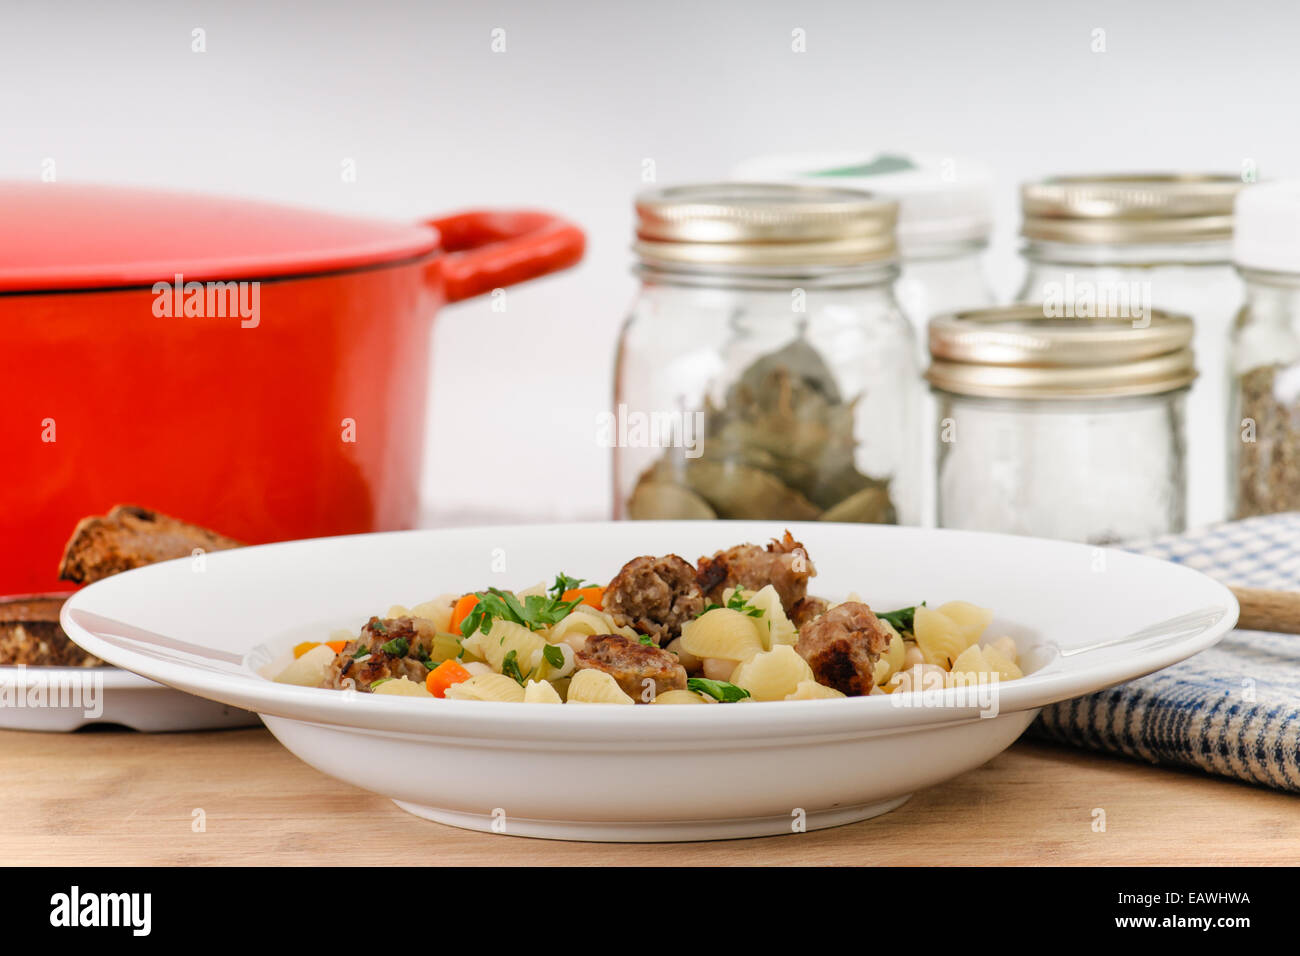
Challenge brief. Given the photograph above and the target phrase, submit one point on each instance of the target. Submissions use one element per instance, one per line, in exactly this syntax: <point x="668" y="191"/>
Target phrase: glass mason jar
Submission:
<point x="1061" y="428"/>
<point x="942" y="277"/>
<point x="1127" y="242"/>
<point x="1265" y="423"/>
<point x="765" y="370"/>
<point x="945" y="216"/>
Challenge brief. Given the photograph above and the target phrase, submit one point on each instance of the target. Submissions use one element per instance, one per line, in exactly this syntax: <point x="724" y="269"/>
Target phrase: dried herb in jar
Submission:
<point x="1268" y="474"/>
<point x="780" y="445"/>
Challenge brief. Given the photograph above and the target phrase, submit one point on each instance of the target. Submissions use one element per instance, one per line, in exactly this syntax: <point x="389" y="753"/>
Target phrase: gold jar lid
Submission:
<point x="1020" y="351"/>
<point x="764" y="225"/>
<point x="1129" y="209"/>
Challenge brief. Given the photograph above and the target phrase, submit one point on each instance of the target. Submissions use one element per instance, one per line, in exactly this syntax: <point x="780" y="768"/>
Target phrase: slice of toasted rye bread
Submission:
<point x="30" y="634"/>
<point x="131" y="537"/>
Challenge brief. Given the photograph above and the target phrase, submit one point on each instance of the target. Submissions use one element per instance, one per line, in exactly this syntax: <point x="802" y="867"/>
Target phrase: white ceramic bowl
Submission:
<point x="1084" y="618"/>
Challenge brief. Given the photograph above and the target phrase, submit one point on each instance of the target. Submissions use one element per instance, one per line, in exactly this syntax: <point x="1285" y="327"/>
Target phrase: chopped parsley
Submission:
<point x="717" y="689"/>
<point x="510" y="667"/>
<point x="553" y="655"/>
<point x="535" y="612"/>
<point x="398" y="647"/>
<point x="737" y="602"/>
<point x="903" y="619"/>
<point x="382" y="680"/>
<point x="648" y="641"/>
<point x="378" y="626"/>
<point x="564" y="583"/>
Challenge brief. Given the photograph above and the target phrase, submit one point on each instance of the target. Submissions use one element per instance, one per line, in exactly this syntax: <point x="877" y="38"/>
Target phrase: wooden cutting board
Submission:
<point x="237" y="797"/>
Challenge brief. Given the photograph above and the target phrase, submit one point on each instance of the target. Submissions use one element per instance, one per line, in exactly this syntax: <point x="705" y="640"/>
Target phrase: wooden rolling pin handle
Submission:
<point x="1277" y="611"/>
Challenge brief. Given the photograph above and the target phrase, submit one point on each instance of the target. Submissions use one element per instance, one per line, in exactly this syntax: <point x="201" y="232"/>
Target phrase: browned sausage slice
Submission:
<point x="631" y="664"/>
<point x="842" y="647"/>
<point x="655" y="596"/>
<point x="784" y="564"/>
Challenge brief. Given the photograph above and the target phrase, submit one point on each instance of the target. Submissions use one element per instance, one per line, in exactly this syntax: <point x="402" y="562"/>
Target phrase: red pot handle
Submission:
<point x="486" y="250"/>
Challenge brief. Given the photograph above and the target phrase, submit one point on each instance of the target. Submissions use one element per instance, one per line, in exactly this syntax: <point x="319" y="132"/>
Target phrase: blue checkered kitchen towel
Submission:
<point x="1233" y="710"/>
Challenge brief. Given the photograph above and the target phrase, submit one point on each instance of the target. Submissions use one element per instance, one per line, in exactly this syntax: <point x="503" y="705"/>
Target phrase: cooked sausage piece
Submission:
<point x="365" y="661"/>
<point x="842" y="647"/>
<point x="807" y="609"/>
<point x="632" y="663"/>
<point x="654" y="596"/>
<point x="784" y="564"/>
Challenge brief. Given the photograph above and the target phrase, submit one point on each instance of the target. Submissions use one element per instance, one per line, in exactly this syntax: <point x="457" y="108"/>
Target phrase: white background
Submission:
<point x="586" y="91"/>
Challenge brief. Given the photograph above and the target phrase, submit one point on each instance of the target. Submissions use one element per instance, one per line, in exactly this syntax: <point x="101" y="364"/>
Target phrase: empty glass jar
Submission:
<point x="1061" y="428"/>
<point x="945" y="216"/>
<point x="1265" y="427"/>
<point x="1123" y="242"/>
<point x="765" y="370"/>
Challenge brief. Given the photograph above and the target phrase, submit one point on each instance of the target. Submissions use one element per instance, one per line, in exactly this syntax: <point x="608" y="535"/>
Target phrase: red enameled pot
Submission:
<point x="256" y="369"/>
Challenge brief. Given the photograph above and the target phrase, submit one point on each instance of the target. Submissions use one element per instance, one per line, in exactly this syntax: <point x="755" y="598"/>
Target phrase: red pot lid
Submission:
<point x="65" y="236"/>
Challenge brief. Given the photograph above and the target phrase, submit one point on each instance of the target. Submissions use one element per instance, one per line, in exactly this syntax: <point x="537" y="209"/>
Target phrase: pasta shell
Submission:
<point x="971" y="620"/>
<point x="308" y="670"/>
<point x="437" y="611"/>
<point x="541" y="692"/>
<point x="680" y="697"/>
<point x="938" y="637"/>
<point x="722" y="633"/>
<point x="546" y="671"/>
<point x="574" y="628"/>
<point x="1008" y="648"/>
<point x="494" y="687"/>
<point x="892" y="661"/>
<point x="684" y="657"/>
<point x="774" y="674"/>
<point x="999" y="661"/>
<point x="970" y="661"/>
<point x="774" y="626"/>
<point x="811" y="690"/>
<point x="591" y="686"/>
<point x="401" y="687"/>
<point x="507" y="636"/>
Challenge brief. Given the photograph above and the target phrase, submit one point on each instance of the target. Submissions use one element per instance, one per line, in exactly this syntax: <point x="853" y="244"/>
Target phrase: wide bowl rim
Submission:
<point x="760" y="723"/>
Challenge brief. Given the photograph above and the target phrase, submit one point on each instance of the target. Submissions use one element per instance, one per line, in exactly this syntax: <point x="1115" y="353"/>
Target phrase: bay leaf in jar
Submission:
<point x="656" y="499"/>
<point x="779" y="445"/>
<point x="737" y="491"/>
<point x="870" y="506"/>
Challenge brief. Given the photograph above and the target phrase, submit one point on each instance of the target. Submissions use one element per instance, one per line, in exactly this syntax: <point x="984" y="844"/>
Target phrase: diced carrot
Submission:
<point x="304" y="647"/>
<point x="336" y="646"/>
<point x="590" y="596"/>
<point x="443" y="676"/>
<point x="461" y="611"/>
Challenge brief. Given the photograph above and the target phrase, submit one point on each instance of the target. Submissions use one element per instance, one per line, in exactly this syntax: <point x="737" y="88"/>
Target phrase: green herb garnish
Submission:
<point x="379" y="627"/>
<point x="564" y="583"/>
<point x="648" y="641"/>
<point x="398" y="647"/>
<point x="510" y="667"/>
<point x="737" y="602"/>
<point x="903" y="619"/>
<point x="553" y="655"/>
<point x="717" y="689"/>
<point x="382" y="680"/>
<point x="536" y="611"/>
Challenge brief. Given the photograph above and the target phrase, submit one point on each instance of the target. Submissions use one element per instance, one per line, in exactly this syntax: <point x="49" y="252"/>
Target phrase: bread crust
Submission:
<point x="30" y="634"/>
<point x="131" y="537"/>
